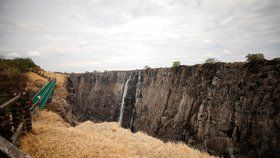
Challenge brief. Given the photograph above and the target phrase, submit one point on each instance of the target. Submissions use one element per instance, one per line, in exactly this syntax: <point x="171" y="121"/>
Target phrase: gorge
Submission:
<point x="226" y="109"/>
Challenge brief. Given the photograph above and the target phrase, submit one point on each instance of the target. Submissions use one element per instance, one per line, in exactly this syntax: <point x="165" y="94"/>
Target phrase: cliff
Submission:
<point x="227" y="109"/>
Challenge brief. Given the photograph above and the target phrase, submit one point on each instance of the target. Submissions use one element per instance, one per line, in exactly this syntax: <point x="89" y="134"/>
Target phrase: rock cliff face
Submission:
<point x="227" y="109"/>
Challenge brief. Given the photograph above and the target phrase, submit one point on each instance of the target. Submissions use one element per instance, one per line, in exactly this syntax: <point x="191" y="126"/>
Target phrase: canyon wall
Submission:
<point x="227" y="109"/>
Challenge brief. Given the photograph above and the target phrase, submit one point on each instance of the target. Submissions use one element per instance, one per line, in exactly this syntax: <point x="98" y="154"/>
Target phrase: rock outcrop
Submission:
<point x="227" y="109"/>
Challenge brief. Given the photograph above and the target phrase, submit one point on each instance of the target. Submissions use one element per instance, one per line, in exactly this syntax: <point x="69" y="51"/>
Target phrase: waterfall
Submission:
<point x="137" y="96"/>
<point x="123" y="100"/>
<point x="138" y="88"/>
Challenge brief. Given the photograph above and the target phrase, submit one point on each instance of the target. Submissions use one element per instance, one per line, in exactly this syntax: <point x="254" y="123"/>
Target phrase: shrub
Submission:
<point x="211" y="60"/>
<point x="147" y="67"/>
<point x="22" y="64"/>
<point x="11" y="79"/>
<point x="255" y="57"/>
<point x="276" y="59"/>
<point x="176" y="64"/>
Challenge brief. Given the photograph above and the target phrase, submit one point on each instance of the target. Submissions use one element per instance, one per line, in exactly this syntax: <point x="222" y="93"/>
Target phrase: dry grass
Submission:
<point x="35" y="82"/>
<point x="52" y="137"/>
<point x="60" y="88"/>
<point x="60" y="78"/>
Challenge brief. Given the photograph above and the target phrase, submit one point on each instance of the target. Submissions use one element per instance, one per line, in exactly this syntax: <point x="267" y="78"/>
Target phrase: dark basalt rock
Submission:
<point x="227" y="109"/>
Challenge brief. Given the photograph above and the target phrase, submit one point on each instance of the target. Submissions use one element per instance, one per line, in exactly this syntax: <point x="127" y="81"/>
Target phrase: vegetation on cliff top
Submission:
<point x="12" y="76"/>
<point x="211" y="60"/>
<point x="176" y="64"/>
<point x="20" y="64"/>
<point x="255" y="57"/>
<point x="147" y="67"/>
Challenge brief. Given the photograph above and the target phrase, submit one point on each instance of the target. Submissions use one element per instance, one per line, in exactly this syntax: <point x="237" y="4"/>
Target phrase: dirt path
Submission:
<point x="59" y="102"/>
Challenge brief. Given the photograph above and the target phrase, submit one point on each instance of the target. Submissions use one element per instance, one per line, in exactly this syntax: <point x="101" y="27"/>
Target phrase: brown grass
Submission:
<point x="52" y="137"/>
<point x="34" y="82"/>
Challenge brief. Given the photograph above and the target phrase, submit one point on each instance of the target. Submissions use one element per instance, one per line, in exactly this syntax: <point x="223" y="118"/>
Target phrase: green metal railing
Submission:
<point x="44" y="94"/>
<point x="40" y="93"/>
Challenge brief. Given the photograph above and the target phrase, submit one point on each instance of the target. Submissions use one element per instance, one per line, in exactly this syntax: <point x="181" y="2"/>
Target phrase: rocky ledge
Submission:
<point x="227" y="109"/>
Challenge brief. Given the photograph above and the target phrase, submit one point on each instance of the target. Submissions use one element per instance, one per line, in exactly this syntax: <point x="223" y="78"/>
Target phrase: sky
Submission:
<point x="88" y="35"/>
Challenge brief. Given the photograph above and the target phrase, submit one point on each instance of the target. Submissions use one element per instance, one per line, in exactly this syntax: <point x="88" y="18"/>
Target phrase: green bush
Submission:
<point x="147" y="67"/>
<point x="255" y="57"/>
<point x="11" y="79"/>
<point x="176" y="64"/>
<point x="3" y="99"/>
<point x="211" y="60"/>
<point x="276" y="59"/>
<point x="22" y="64"/>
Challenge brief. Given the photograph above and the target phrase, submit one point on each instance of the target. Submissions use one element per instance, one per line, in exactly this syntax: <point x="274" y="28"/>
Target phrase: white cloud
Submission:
<point x="125" y="34"/>
<point x="227" y="52"/>
<point x="13" y="55"/>
<point x="226" y="20"/>
<point x="33" y="54"/>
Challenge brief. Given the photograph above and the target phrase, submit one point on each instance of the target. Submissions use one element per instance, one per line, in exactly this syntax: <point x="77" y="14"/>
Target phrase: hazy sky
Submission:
<point x="87" y="35"/>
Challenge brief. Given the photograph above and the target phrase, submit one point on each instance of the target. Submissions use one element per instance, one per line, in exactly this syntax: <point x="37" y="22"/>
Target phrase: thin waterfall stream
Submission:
<point x="123" y="100"/>
<point x="138" y="88"/>
<point x="137" y="97"/>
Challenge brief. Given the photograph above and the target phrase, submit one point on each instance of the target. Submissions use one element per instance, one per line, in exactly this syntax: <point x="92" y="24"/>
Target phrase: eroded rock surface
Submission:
<point x="228" y="109"/>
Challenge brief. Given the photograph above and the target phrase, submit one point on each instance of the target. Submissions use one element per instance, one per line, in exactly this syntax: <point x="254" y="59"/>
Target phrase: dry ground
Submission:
<point x="34" y="82"/>
<point x="59" y="102"/>
<point x="52" y="137"/>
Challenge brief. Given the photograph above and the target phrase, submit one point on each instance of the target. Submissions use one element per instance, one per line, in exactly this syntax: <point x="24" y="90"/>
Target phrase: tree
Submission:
<point x="276" y="59"/>
<point x="211" y="60"/>
<point x="21" y="64"/>
<point x="176" y="64"/>
<point x="147" y="67"/>
<point x="255" y="57"/>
